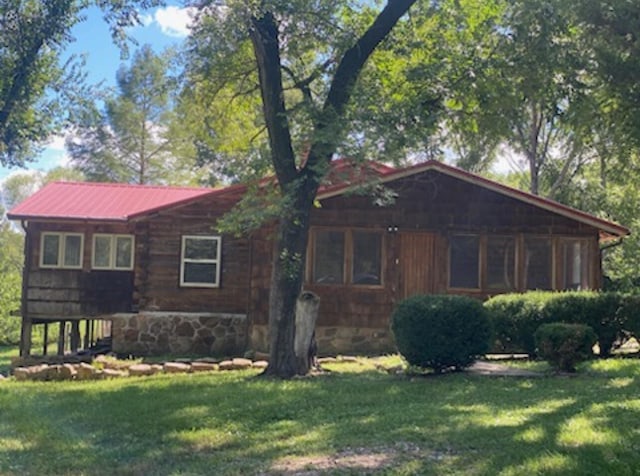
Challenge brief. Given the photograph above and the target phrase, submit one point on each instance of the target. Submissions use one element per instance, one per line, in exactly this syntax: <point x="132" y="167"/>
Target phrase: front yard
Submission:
<point x="355" y="419"/>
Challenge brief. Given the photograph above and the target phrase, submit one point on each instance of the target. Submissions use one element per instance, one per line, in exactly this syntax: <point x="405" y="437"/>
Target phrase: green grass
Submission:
<point x="6" y="353"/>
<point x="352" y="420"/>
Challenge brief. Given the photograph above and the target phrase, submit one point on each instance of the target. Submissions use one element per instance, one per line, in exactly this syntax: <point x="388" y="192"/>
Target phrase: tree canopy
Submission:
<point x="38" y="94"/>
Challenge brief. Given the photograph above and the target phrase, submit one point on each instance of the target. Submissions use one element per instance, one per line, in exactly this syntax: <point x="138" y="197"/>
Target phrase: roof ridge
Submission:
<point x="133" y="185"/>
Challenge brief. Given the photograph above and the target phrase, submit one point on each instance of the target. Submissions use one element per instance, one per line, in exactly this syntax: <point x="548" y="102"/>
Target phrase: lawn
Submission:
<point x="353" y="420"/>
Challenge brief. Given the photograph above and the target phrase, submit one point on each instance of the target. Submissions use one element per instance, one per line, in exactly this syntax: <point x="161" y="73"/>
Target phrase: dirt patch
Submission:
<point x="358" y="460"/>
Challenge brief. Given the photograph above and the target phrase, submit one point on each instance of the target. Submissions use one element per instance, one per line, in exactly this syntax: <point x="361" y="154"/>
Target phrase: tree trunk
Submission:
<point x="299" y="187"/>
<point x="307" y="308"/>
<point x="286" y="284"/>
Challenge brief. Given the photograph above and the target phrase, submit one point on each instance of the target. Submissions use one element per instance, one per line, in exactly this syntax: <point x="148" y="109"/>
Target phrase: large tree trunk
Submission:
<point x="286" y="284"/>
<point x="299" y="187"/>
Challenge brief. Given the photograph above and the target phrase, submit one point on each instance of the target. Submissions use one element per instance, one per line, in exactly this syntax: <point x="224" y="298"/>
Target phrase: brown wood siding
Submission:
<point x="54" y="293"/>
<point x="158" y="247"/>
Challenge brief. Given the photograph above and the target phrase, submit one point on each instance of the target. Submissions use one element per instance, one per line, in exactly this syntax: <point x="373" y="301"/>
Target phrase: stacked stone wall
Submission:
<point x="179" y="333"/>
<point x="337" y="340"/>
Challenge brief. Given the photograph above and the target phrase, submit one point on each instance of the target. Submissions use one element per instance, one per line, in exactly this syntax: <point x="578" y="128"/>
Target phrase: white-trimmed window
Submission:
<point x="200" y="261"/>
<point x="61" y="250"/>
<point x="113" y="251"/>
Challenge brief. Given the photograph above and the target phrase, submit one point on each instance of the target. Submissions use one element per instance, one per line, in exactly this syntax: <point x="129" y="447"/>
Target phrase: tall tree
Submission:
<point x="132" y="140"/>
<point x="529" y="94"/>
<point x="308" y="63"/>
<point x="37" y="93"/>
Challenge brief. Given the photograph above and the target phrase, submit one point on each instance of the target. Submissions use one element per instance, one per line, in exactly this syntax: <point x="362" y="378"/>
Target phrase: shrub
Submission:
<point x="440" y="332"/>
<point x="564" y="345"/>
<point x="515" y="318"/>
<point x="630" y="314"/>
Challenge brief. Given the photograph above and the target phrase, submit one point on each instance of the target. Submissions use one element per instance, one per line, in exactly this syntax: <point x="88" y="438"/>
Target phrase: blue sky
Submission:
<point x="161" y="28"/>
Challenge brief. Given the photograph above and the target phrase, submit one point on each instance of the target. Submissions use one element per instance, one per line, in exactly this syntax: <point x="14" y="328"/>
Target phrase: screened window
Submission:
<point x="464" y="261"/>
<point x="328" y="266"/>
<point x="574" y="255"/>
<point x="366" y="258"/>
<point x="538" y="262"/>
<point x="113" y="251"/>
<point x="61" y="250"/>
<point x="501" y="252"/>
<point x="347" y="257"/>
<point x="200" y="261"/>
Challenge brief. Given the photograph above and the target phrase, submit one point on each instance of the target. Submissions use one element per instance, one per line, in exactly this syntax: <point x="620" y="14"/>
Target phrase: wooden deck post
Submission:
<point x="63" y="327"/>
<point x="45" y="344"/>
<point x="75" y="336"/>
<point x="25" y="337"/>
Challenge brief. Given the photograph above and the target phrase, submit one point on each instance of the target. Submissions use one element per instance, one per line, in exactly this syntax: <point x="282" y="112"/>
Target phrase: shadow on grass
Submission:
<point x="236" y="424"/>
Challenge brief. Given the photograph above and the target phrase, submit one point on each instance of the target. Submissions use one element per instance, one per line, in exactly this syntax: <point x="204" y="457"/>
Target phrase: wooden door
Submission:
<point x="416" y="264"/>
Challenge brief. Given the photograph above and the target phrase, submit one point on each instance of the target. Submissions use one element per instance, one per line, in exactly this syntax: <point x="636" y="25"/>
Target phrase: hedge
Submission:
<point x="515" y="317"/>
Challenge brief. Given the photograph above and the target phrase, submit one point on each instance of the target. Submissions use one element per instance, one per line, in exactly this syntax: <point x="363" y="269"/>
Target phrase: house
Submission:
<point x="150" y="261"/>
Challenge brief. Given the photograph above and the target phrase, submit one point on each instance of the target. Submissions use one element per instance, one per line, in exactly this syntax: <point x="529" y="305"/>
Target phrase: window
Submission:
<point x="359" y="252"/>
<point x="538" y="261"/>
<point x="574" y="255"/>
<point x="366" y="258"/>
<point x="113" y="251"/>
<point x="200" y="261"/>
<point x="501" y="252"/>
<point x="61" y="250"/>
<point x="464" y="261"/>
<point x="328" y="266"/>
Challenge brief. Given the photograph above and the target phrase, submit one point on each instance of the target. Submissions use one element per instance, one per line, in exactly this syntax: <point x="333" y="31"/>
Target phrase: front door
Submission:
<point x="416" y="263"/>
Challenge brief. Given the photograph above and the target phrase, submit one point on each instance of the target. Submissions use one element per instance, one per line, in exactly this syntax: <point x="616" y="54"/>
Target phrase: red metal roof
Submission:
<point x="118" y="202"/>
<point x="101" y="201"/>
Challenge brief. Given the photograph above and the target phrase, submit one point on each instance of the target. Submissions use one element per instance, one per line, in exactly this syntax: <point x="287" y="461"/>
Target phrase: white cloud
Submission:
<point x="174" y="21"/>
<point x="56" y="143"/>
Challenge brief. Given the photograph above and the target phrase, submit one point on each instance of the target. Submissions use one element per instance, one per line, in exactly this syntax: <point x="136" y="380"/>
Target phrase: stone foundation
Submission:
<point x="337" y="340"/>
<point x="179" y="333"/>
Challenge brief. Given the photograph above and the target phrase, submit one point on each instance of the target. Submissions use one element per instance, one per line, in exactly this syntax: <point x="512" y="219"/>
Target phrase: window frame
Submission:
<point x="348" y="257"/>
<point x="484" y="254"/>
<point x="481" y="264"/>
<point x="113" y="239"/>
<point x="586" y="267"/>
<point x="61" y="250"/>
<point x="217" y="261"/>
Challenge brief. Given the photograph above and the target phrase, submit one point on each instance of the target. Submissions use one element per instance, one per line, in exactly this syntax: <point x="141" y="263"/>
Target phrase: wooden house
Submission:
<point x="150" y="261"/>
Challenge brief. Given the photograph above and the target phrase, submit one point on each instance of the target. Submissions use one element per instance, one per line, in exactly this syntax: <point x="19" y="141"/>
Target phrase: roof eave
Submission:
<point x="612" y="230"/>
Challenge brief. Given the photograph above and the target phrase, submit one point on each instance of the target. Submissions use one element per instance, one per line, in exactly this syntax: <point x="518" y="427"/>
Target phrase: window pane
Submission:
<point x="464" y="262"/>
<point x="202" y="273"/>
<point x="201" y="248"/>
<point x="366" y="258"/>
<point x="575" y="265"/>
<point x="50" y="250"/>
<point x="501" y="262"/>
<point x="537" y="263"/>
<point x="102" y="251"/>
<point x="124" y="251"/>
<point x="328" y="257"/>
<point x="72" y="250"/>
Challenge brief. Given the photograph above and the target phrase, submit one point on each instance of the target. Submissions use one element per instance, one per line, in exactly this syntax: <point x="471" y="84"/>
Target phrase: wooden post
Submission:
<point x="75" y="336"/>
<point x="307" y="308"/>
<point x="45" y="344"/>
<point x="87" y="338"/>
<point x="25" y="330"/>
<point x="63" y="326"/>
<point x="25" y="336"/>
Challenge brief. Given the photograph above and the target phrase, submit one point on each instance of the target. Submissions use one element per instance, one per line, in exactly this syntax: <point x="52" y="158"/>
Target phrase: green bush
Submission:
<point x="515" y="317"/>
<point x="630" y="314"/>
<point x="564" y="345"/>
<point x="440" y="332"/>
